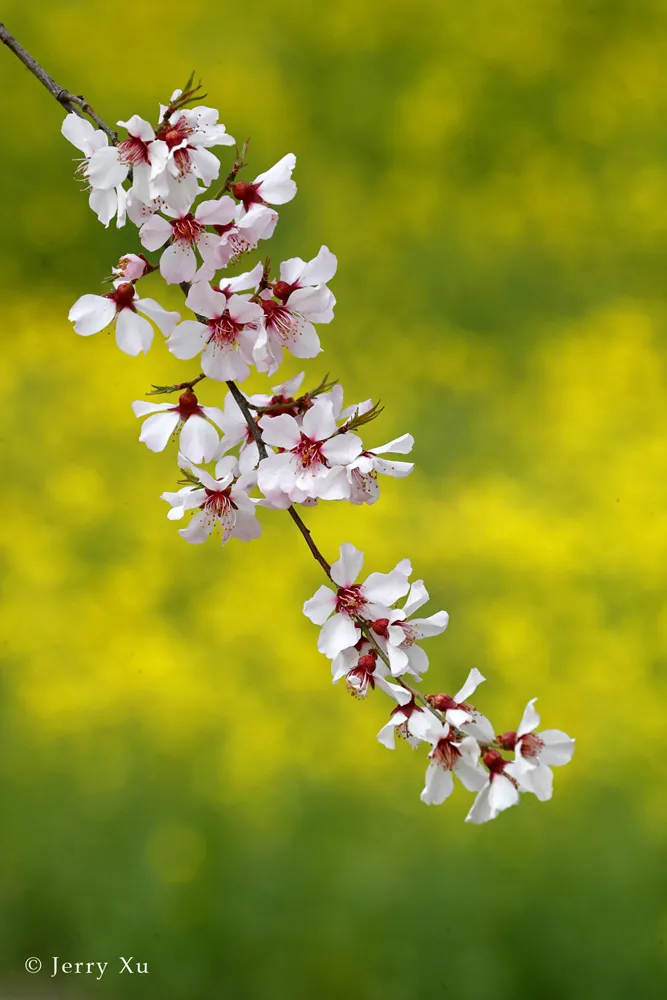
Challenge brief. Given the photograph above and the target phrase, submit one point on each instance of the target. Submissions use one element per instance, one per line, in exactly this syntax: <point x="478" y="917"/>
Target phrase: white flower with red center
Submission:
<point x="299" y="276"/>
<point x="449" y="755"/>
<point x="363" y="670"/>
<point x="238" y="237"/>
<point x="274" y="187"/>
<point x="184" y="232"/>
<point x="225" y="341"/>
<point x="187" y="134"/>
<point x="140" y="153"/>
<point x="402" y="633"/>
<point x="222" y="502"/>
<point x="463" y="715"/>
<point x="105" y="204"/>
<point x="537" y="753"/>
<point x="198" y="437"/>
<point x="338" y="611"/>
<point x="288" y="324"/>
<point x="313" y="455"/>
<point x="499" y="792"/>
<point x="403" y="721"/>
<point x="134" y="334"/>
<point x="363" y="472"/>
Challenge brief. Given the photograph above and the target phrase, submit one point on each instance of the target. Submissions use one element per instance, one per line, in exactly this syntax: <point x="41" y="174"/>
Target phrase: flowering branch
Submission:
<point x="281" y="449"/>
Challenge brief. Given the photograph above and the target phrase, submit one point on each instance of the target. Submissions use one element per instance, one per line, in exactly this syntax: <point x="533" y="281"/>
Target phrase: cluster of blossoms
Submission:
<point x="285" y="447"/>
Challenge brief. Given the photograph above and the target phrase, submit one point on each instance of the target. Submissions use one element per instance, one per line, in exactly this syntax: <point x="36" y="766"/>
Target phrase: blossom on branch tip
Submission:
<point x="222" y="502"/>
<point x="537" y="753"/>
<point x="462" y="715"/>
<point x="134" y="334"/>
<point x="363" y="472"/>
<point x="198" y="438"/>
<point x="402" y="633"/>
<point x="339" y="611"/>
<point x="274" y="187"/>
<point x="226" y="340"/>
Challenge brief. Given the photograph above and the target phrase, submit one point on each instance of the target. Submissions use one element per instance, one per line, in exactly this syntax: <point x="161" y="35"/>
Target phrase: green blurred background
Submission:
<point x="181" y="783"/>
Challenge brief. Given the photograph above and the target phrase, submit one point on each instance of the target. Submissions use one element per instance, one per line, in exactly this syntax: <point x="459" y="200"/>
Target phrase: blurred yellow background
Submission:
<point x="181" y="782"/>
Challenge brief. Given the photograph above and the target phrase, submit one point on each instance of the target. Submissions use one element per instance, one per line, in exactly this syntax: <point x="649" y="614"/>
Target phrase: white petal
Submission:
<point x="164" y="320"/>
<point x="78" y="131"/>
<point x="318" y="423"/>
<point x="387" y="735"/>
<point x="347" y="567"/>
<point x="502" y="794"/>
<point x="178" y="263"/>
<point x="281" y="431"/>
<point x="530" y="720"/>
<point x="558" y="747"/>
<point x="320" y="269"/>
<point x="386" y="588"/>
<point x="473" y="680"/>
<point x="338" y="633"/>
<point x="157" y="429"/>
<point x="341" y="449"/>
<point x="134" y="334"/>
<point x="105" y="169"/>
<point x="92" y="313"/>
<point x="188" y="339"/>
<point x="439" y="785"/>
<point x="155" y="232"/>
<point x="199" y="439"/>
<point x="320" y="605"/>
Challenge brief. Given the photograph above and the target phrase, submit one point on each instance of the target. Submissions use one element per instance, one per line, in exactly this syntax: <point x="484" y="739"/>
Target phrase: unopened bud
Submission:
<point x="381" y="627"/>
<point x="507" y="740"/>
<point x="367" y="662"/>
<point x="441" y="701"/>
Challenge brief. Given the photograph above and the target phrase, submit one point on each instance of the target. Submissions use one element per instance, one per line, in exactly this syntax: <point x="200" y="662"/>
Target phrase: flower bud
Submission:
<point x="381" y="627"/>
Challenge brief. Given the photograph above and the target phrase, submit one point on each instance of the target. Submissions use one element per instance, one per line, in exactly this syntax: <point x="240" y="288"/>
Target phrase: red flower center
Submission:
<point x="188" y="405"/>
<point x="174" y="134"/>
<point x="123" y="297"/>
<point x="309" y="453"/>
<point x="218" y="502"/>
<point x="186" y="230"/>
<point x="282" y="290"/>
<point x="224" y="330"/>
<point x="446" y="754"/>
<point x="247" y="193"/>
<point x="530" y="745"/>
<point x="350" y="600"/>
<point x="134" y="150"/>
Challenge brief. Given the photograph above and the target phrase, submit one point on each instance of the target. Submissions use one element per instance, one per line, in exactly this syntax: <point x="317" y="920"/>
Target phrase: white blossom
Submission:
<point x="134" y="334"/>
<point x="222" y="502"/>
<point x="338" y="611"/>
<point x="226" y="340"/>
<point x="313" y="457"/>
<point x="199" y="439"/>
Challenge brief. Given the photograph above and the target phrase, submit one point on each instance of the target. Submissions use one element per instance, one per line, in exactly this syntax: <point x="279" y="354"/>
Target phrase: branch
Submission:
<point x="71" y="102"/>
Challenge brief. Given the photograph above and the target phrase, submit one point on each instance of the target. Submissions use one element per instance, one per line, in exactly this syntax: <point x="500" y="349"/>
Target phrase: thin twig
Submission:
<point x="71" y="102"/>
